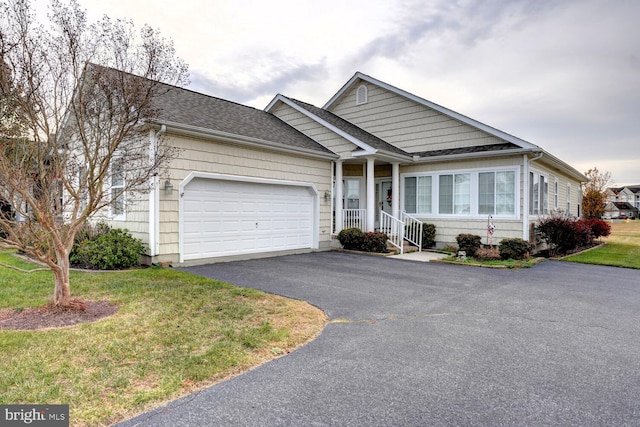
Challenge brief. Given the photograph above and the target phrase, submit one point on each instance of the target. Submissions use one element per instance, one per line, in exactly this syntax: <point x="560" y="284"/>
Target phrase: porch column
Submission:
<point x="371" y="195"/>
<point x="339" y="197"/>
<point x="395" y="190"/>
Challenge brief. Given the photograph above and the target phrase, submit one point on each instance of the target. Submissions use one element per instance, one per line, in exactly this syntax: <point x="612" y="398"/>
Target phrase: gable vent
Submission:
<point x="361" y="95"/>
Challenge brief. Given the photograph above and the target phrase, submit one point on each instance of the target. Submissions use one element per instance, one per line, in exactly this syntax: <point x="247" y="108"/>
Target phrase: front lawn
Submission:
<point x="173" y="333"/>
<point x="621" y="248"/>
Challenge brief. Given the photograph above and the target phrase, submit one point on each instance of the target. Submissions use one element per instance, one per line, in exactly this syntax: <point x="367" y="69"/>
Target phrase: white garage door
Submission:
<point x="222" y="218"/>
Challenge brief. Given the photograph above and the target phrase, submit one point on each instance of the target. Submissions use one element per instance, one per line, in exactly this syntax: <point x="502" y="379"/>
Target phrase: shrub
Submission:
<point x="356" y="240"/>
<point x="515" y="249"/>
<point x="599" y="228"/>
<point x="564" y="234"/>
<point x="428" y="235"/>
<point x="109" y="249"/>
<point x="487" y="254"/>
<point x="374" y="242"/>
<point x="351" y="238"/>
<point x="469" y="243"/>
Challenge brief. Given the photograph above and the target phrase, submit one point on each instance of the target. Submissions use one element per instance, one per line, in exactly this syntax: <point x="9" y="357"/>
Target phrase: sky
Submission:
<point x="561" y="74"/>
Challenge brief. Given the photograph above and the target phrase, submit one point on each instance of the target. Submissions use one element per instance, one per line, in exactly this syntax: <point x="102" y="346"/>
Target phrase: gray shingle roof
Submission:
<point x="196" y="109"/>
<point x="467" y="150"/>
<point x="350" y="128"/>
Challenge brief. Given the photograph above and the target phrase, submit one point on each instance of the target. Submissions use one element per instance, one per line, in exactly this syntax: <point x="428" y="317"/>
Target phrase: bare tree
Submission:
<point x="594" y="198"/>
<point x="78" y="101"/>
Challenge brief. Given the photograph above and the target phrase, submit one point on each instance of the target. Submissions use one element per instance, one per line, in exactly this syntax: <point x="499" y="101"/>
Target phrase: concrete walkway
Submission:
<point x="424" y="256"/>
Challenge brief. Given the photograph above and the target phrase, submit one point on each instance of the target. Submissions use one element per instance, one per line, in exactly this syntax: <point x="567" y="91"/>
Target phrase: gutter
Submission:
<point x="479" y="154"/>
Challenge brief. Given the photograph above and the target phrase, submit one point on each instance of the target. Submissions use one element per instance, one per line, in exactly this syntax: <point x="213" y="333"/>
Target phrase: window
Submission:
<point x="496" y="193"/>
<point x="470" y="193"/>
<point x="568" y="198"/>
<point x="455" y="194"/>
<point x="417" y="194"/>
<point x="117" y="188"/>
<point x="538" y="194"/>
<point x="361" y="95"/>
<point x="555" y="195"/>
<point x="352" y="194"/>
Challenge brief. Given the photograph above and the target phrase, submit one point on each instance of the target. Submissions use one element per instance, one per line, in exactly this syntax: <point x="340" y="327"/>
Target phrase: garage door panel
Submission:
<point x="223" y="218"/>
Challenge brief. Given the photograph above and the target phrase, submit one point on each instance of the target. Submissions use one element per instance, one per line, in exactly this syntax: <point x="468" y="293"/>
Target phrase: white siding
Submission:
<point x="222" y="158"/>
<point x="407" y="124"/>
<point x="314" y="130"/>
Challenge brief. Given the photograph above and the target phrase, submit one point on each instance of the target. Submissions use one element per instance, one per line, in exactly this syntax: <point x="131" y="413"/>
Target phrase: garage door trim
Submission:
<point x="247" y="179"/>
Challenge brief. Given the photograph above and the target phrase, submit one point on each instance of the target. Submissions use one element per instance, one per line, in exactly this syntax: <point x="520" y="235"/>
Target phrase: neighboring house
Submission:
<point x="292" y="176"/>
<point x="623" y="201"/>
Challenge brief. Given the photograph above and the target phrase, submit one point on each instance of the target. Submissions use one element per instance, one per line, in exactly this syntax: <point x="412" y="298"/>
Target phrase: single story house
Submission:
<point x="251" y="182"/>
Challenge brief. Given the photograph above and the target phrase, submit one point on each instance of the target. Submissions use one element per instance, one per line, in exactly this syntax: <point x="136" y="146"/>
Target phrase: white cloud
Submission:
<point x="561" y="74"/>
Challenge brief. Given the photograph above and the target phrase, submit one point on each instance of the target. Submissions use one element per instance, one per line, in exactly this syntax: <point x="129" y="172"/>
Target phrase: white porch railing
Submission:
<point x="412" y="229"/>
<point x="394" y="229"/>
<point x="354" y="218"/>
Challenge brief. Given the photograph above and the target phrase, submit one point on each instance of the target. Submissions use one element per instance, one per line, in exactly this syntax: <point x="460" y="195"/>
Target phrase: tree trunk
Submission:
<point x="62" y="290"/>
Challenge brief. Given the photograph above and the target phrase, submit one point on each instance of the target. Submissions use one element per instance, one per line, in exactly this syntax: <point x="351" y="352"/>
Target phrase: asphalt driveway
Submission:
<point x="425" y="344"/>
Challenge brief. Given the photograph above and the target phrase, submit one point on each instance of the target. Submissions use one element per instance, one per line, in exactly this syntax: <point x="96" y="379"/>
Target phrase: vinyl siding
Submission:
<point x="314" y="130"/>
<point x="407" y="124"/>
<point x="227" y="159"/>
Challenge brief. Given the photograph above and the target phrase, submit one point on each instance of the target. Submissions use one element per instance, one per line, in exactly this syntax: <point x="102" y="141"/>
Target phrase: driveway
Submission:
<point x="426" y="344"/>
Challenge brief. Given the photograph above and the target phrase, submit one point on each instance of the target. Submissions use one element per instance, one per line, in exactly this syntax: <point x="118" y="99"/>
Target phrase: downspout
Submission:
<point x="154" y="197"/>
<point x="526" y="195"/>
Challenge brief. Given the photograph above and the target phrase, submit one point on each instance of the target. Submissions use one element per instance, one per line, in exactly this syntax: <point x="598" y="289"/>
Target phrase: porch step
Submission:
<point x="406" y="247"/>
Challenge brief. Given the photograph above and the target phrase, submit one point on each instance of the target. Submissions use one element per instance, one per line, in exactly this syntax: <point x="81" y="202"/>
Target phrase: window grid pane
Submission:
<point x="486" y="193"/>
<point x="505" y="193"/>
<point x="446" y="194"/>
<point x="462" y="194"/>
<point x="410" y="194"/>
<point x="424" y="195"/>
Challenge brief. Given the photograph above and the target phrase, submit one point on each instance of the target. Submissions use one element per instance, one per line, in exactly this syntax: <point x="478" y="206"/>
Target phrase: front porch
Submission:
<point x="368" y="198"/>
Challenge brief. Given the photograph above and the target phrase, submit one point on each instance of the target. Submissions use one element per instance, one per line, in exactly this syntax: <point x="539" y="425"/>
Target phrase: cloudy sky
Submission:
<point x="562" y="74"/>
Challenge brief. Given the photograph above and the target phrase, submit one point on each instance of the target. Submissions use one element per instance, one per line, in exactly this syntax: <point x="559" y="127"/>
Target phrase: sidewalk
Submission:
<point x="424" y="256"/>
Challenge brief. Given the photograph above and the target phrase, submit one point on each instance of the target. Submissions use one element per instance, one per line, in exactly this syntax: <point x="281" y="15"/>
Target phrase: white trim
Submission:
<point x="474" y="173"/>
<point x="362" y="95"/>
<point x="214" y="176"/>
<point x="364" y="146"/>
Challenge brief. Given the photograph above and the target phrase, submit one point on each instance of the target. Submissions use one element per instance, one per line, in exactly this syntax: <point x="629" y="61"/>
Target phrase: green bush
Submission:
<point x="469" y="243"/>
<point x="103" y="248"/>
<point x="351" y="238"/>
<point x="515" y="249"/>
<point x="428" y="235"/>
<point x="374" y="242"/>
<point x="356" y="240"/>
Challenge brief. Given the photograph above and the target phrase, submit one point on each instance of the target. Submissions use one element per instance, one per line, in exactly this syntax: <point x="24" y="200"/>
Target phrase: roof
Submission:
<point x="625" y="206"/>
<point x="197" y="110"/>
<point x="368" y="140"/>
<point x="468" y="150"/>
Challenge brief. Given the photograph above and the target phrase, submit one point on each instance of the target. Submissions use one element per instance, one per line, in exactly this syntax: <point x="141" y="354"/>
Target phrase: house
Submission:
<point x="622" y="201"/>
<point x="291" y="176"/>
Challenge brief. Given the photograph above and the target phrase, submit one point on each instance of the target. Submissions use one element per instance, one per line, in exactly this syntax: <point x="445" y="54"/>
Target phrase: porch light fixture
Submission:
<point x="168" y="187"/>
<point x="327" y="196"/>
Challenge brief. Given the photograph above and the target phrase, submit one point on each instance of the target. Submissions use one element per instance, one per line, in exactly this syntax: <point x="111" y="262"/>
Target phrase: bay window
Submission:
<point x="464" y="193"/>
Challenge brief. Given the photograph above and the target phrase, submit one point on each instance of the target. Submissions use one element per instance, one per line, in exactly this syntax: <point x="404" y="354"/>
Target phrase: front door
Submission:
<point x="384" y="199"/>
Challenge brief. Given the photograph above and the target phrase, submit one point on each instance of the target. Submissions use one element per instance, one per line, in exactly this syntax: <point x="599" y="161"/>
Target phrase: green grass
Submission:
<point x="621" y="248"/>
<point x="509" y="263"/>
<point x="173" y="333"/>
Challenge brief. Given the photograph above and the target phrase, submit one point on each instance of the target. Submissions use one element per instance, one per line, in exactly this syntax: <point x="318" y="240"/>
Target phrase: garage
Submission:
<point x="227" y="216"/>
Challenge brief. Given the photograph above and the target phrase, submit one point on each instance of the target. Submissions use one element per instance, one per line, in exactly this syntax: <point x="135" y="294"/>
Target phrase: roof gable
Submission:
<point x="368" y="143"/>
<point x="359" y="77"/>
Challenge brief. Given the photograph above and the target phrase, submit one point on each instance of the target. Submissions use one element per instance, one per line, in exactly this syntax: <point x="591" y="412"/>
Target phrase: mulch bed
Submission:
<point x="50" y="316"/>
